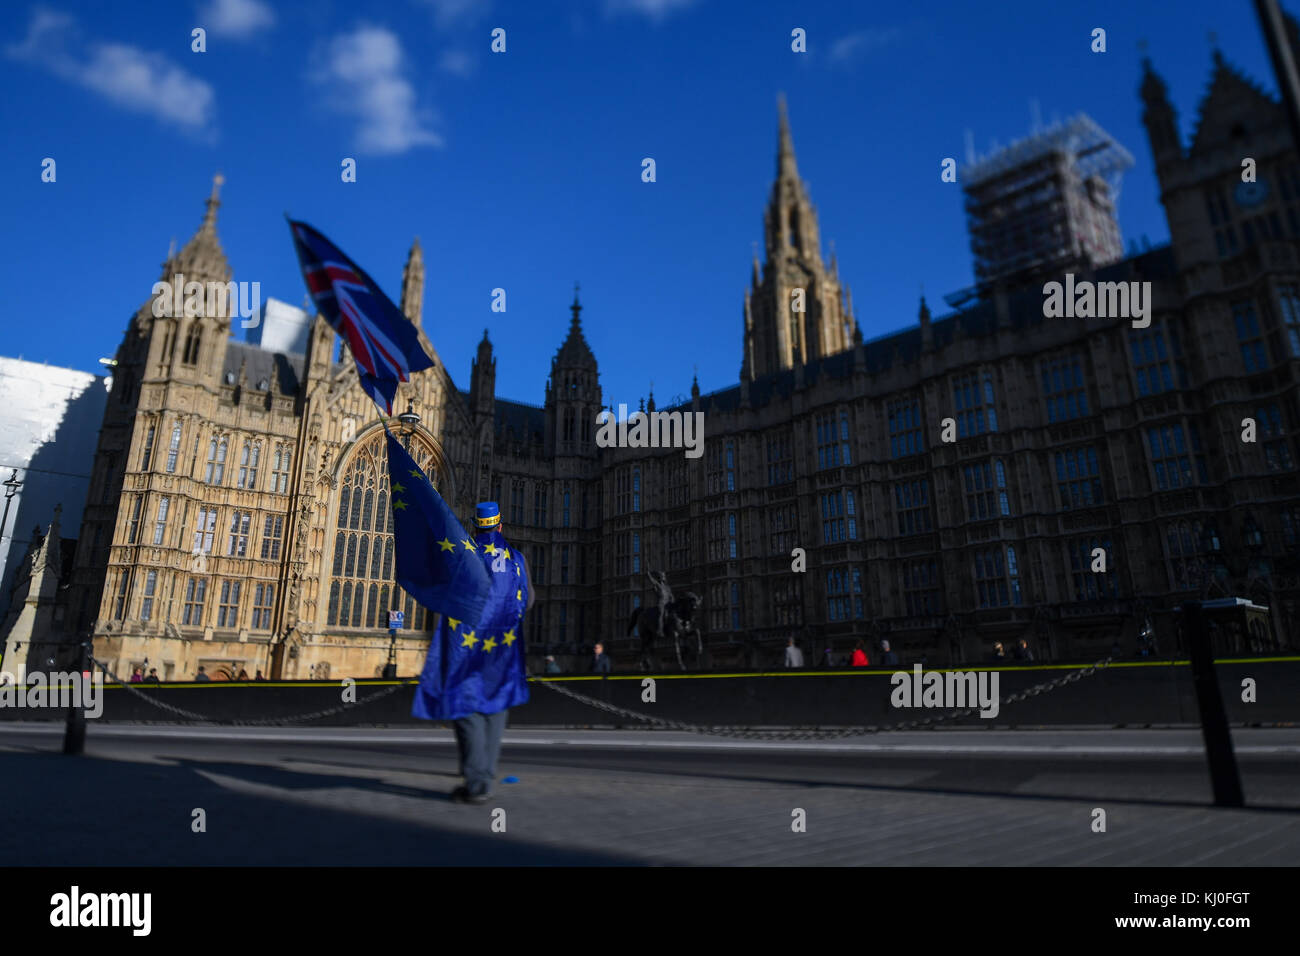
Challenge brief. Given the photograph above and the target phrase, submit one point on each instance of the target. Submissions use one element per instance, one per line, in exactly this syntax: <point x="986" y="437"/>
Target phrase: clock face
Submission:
<point x="1251" y="194"/>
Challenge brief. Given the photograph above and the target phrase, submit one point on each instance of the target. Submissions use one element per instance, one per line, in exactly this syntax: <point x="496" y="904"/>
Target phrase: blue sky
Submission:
<point x="522" y="170"/>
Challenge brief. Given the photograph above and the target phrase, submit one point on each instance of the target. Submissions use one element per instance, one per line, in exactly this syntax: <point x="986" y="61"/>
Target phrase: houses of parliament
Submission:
<point x="238" y="513"/>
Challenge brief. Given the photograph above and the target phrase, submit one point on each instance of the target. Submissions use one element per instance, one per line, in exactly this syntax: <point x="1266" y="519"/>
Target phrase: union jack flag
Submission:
<point x="384" y="342"/>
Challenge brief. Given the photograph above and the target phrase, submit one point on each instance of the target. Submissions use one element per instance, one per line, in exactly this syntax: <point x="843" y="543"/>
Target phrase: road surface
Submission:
<point x="362" y="796"/>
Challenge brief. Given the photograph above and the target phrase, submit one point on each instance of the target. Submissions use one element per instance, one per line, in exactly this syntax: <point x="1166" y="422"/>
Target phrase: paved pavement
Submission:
<point x="375" y="796"/>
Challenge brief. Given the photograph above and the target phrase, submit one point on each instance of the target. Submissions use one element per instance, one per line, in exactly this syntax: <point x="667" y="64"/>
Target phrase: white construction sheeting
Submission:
<point x="49" y="427"/>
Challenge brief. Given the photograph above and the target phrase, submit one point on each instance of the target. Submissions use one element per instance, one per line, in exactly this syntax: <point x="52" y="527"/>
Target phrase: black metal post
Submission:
<point x="74" y="733"/>
<point x="1284" y="65"/>
<point x="390" y="669"/>
<point x="1224" y="777"/>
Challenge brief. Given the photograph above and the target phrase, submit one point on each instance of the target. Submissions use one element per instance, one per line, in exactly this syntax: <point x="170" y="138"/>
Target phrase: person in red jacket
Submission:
<point x="860" y="656"/>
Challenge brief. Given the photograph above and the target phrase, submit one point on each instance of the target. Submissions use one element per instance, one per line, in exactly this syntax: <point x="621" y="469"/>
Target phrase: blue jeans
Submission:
<point x="478" y="738"/>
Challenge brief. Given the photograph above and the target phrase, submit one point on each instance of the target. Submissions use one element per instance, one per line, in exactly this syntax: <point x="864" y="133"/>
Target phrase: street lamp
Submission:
<point x="409" y="422"/>
<point x="12" y="484"/>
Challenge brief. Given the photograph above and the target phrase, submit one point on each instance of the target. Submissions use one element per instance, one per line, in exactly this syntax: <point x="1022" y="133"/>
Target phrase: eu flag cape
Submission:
<point x="476" y="663"/>
<point x="437" y="562"/>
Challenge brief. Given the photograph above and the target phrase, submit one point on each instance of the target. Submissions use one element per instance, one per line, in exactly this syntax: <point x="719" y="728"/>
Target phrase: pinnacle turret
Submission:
<point x="202" y="258"/>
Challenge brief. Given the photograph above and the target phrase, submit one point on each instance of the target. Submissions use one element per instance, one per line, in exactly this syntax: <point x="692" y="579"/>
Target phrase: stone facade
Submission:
<point x="1070" y="436"/>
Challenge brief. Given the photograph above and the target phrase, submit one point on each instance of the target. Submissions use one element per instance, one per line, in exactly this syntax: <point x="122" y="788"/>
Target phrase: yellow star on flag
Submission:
<point x="519" y="595"/>
<point x="507" y="552"/>
<point x="447" y="544"/>
<point x="509" y="638"/>
<point x="399" y="504"/>
<point x="399" y="487"/>
<point x="415" y="473"/>
<point x="490" y="643"/>
<point x="470" y="639"/>
<point x="490" y="549"/>
<point x="453" y="622"/>
<point x="469" y="545"/>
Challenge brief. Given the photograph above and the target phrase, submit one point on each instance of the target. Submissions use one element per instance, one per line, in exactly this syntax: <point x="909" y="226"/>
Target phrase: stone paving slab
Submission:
<point x="132" y="802"/>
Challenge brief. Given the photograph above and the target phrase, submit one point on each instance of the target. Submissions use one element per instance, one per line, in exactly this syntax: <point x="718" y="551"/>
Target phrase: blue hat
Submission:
<point x="489" y="515"/>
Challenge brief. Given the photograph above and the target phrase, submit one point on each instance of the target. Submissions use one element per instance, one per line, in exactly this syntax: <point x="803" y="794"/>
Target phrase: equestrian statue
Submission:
<point x="669" y="618"/>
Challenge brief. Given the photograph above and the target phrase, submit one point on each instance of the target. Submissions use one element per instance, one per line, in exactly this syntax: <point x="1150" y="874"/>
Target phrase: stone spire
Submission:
<point x="786" y="168"/>
<point x="575" y="352"/>
<point x="483" y="378"/>
<point x="202" y="258"/>
<point x="927" y="333"/>
<point x="795" y="305"/>
<point x="1159" y="116"/>
<point x="791" y="222"/>
<point x="413" y="284"/>
<point x="34" y="597"/>
<point x="572" y="391"/>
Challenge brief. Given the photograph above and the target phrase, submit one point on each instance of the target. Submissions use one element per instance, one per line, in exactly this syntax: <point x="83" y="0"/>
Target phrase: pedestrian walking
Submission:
<point x="201" y="675"/>
<point x="600" y="663"/>
<point x="475" y="670"/>
<point x="137" y="675"/>
<point x="551" y="666"/>
<point x="793" y="656"/>
<point x="887" y="656"/>
<point x="860" y="656"/>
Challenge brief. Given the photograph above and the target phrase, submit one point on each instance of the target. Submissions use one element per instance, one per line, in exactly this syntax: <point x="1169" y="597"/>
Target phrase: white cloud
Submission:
<point x="362" y="73"/>
<point x="132" y="78"/>
<point x="848" y="48"/>
<point x="457" y="63"/>
<point x="448" y="14"/>
<point x="653" y="9"/>
<point x="235" y="18"/>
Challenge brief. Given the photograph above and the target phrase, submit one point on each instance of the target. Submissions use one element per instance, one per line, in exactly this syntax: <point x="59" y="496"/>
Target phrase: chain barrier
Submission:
<point x="746" y="733"/>
<point x="722" y="730"/>
<point x="263" y="722"/>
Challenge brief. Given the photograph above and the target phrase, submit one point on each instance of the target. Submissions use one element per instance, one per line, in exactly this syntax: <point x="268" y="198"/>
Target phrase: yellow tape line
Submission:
<point x="853" y="672"/>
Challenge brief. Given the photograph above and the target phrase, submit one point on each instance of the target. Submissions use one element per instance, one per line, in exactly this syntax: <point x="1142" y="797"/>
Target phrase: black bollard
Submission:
<point x="1224" y="777"/>
<point x="74" y="733"/>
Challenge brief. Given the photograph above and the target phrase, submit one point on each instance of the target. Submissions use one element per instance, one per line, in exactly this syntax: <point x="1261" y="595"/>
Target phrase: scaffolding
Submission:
<point x="1045" y="202"/>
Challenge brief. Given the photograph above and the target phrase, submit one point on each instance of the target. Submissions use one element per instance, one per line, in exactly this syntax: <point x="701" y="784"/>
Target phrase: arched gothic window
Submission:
<point x="363" y="591"/>
<point x="192" y="342"/>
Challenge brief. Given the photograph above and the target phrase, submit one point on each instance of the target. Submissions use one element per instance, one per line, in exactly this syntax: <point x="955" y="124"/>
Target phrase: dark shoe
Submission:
<point x="462" y="795"/>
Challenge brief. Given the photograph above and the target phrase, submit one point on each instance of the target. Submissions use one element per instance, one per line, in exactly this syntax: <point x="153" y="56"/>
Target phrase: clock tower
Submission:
<point x="1218" y="204"/>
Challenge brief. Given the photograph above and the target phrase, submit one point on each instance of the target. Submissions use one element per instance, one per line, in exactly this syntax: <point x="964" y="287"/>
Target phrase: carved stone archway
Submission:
<point x="358" y="585"/>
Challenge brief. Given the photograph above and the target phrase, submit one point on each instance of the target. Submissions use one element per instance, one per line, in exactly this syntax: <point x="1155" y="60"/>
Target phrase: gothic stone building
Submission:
<point x="238" y="514"/>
